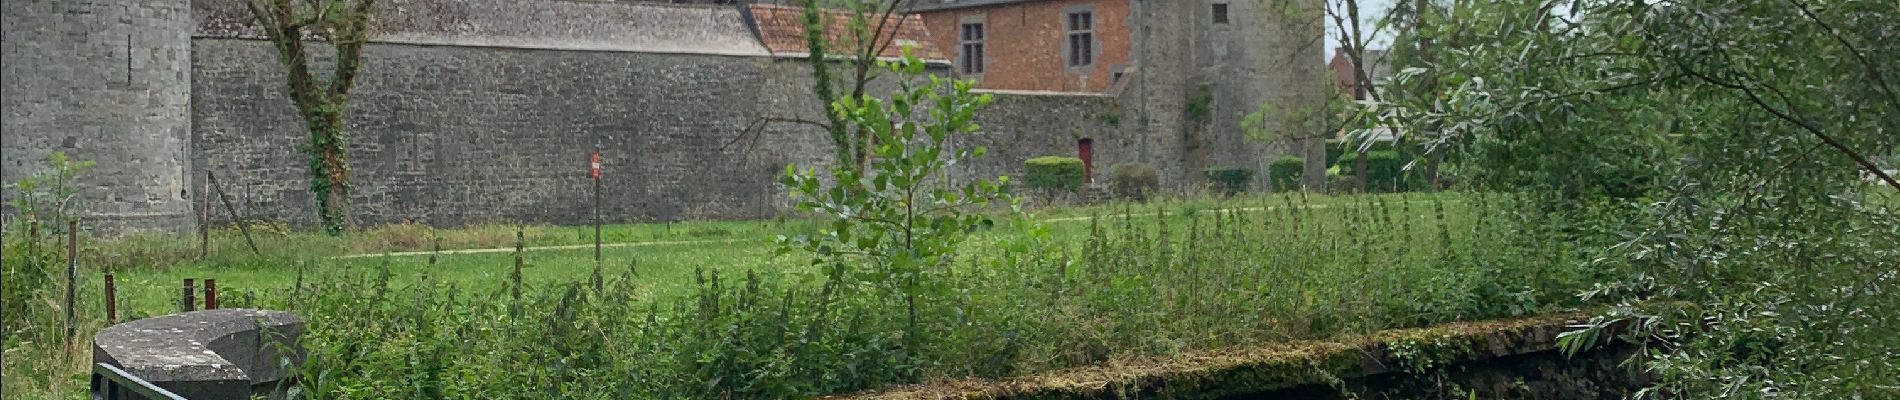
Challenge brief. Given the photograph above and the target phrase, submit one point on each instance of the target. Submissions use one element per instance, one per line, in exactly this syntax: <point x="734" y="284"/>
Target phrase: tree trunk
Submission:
<point x="329" y="169"/>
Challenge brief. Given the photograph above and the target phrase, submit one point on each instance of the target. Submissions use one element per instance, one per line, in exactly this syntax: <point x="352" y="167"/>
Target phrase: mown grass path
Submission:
<point x="697" y="242"/>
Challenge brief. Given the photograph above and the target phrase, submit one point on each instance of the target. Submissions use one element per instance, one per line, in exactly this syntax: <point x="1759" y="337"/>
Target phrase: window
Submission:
<point x="971" y="39"/>
<point x="1220" y="13"/>
<point x="1081" y="39"/>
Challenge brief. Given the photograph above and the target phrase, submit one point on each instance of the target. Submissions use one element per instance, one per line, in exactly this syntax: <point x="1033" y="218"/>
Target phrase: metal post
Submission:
<point x="204" y="218"/>
<point x="112" y="300"/>
<point x="72" y="275"/>
<point x="211" y="294"/>
<point x="191" y="302"/>
<point x="596" y="173"/>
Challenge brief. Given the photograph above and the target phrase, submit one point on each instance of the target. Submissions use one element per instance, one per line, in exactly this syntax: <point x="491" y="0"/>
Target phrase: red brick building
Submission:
<point x="1048" y="45"/>
<point x="1344" y="73"/>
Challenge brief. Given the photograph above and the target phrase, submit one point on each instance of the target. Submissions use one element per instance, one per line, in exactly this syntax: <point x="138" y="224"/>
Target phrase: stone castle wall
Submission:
<point x="472" y="111"/>
<point x="452" y="135"/>
<point x="106" y="81"/>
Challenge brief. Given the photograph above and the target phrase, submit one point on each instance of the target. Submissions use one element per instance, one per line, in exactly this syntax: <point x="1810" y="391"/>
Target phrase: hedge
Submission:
<point x="1133" y="181"/>
<point x="1230" y="180"/>
<point x="1285" y="173"/>
<point x="1385" y="171"/>
<point x="1342" y="153"/>
<point x="1053" y="173"/>
<point x="1334" y="150"/>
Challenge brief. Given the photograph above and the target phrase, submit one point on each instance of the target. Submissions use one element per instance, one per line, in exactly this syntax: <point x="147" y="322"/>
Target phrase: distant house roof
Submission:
<point x="940" y="5"/>
<point x="563" y="25"/>
<point x="782" y="29"/>
<point x="1381" y="61"/>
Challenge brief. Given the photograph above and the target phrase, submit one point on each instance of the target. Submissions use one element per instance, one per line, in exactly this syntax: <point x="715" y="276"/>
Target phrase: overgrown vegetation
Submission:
<point x="1230" y="181"/>
<point x="1134" y="181"/>
<point x="1130" y="282"/>
<point x="1285" y="173"/>
<point x="1717" y="151"/>
<point x="1029" y="297"/>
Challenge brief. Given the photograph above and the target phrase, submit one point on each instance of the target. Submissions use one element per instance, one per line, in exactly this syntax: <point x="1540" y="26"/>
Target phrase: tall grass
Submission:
<point x="1135" y="283"/>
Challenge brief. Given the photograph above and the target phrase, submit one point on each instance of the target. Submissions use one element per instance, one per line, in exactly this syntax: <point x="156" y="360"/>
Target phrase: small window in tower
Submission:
<point x="1220" y="13"/>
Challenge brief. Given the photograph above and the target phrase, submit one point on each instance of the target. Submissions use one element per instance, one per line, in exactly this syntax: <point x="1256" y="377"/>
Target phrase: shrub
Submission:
<point x="1348" y="164"/>
<point x="1285" y="172"/>
<point x="1343" y="153"/>
<point x="1053" y="173"/>
<point x="1342" y="183"/>
<point x="1230" y="180"/>
<point x="1385" y="171"/>
<point x="1335" y="149"/>
<point x="1133" y="181"/>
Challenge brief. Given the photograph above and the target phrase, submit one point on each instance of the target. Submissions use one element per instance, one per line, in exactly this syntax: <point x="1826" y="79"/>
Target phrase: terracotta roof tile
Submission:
<point x="782" y="29"/>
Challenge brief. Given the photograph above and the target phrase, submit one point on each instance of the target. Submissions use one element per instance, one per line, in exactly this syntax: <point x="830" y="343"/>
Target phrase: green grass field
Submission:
<point x="663" y="256"/>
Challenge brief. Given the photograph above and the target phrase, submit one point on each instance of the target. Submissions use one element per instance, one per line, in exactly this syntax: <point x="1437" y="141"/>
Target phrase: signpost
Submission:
<point x="594" y="171"/>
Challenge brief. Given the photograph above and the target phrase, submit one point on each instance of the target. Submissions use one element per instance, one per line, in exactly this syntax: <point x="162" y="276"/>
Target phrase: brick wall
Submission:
<point x="1025" y="43"/>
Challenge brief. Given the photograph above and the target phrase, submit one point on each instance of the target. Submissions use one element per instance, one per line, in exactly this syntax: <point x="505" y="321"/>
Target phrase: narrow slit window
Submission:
<point x="1220" y="13"/>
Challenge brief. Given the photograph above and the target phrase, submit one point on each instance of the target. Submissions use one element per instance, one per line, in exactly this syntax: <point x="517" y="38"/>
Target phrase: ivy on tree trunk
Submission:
<point x="345" y="25"/>
<point x="867" y="34"/>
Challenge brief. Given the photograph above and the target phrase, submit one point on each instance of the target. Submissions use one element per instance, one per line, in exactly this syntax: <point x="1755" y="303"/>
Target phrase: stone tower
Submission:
<point x="1208" y="64"/>
<point x="106" y="81"/>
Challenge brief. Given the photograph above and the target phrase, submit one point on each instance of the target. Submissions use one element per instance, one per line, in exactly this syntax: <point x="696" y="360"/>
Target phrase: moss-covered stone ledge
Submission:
<point x="212" y="354"/>
<point x="1514" y="358"/>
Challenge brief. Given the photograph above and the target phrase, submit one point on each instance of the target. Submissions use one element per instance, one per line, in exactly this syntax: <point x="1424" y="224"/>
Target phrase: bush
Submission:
<point x="1385" y="171"/>
<point x="1342" y="183"/>
<point x="1230" y="180"/>
<point x="1349" y="164"/>
<point x="1133" y="181"/>
<point x="1343" y="153"/>
<point x="1285" y="172"/>
<point x="1335" y="149"/>
<point x="1053" y="173"/>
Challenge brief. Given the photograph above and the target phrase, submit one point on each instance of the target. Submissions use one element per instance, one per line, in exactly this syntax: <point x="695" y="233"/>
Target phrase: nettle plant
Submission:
<point x="897" y="222"/>
<point x="48" y="196"/>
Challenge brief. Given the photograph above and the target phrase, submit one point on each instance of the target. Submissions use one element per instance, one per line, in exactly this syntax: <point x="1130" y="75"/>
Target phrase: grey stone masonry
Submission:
<point x="469" y="111"/>
<point x="104" y="81"/>
<point x="228" y="353"/>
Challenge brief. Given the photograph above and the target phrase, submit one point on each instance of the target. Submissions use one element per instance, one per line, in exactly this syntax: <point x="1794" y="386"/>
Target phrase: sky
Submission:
<point x="1369" y="13"/>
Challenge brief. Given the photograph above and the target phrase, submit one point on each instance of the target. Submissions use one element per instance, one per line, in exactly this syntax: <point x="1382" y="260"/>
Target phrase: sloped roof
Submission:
<point x="938" y="5"/>
<point x="563" y="25"/>
<point x="782" y="30"/>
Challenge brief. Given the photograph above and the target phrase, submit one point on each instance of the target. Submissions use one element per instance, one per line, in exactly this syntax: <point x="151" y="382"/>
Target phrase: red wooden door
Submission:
<point x="1086" y="151"/>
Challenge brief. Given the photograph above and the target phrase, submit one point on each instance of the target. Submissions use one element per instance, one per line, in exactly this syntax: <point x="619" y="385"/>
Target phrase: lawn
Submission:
<point x="662" y="256"/>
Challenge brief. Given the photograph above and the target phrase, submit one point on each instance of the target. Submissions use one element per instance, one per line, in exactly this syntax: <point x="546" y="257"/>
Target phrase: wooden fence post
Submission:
<point x="190" y="301"/>
<point x="112" y="300"/>
<point x="211" y="294"/>
<point x="235" y="218"/>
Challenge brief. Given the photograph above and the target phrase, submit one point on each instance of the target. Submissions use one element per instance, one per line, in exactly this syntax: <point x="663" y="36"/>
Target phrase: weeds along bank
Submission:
<point x="1121" y="282"/>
